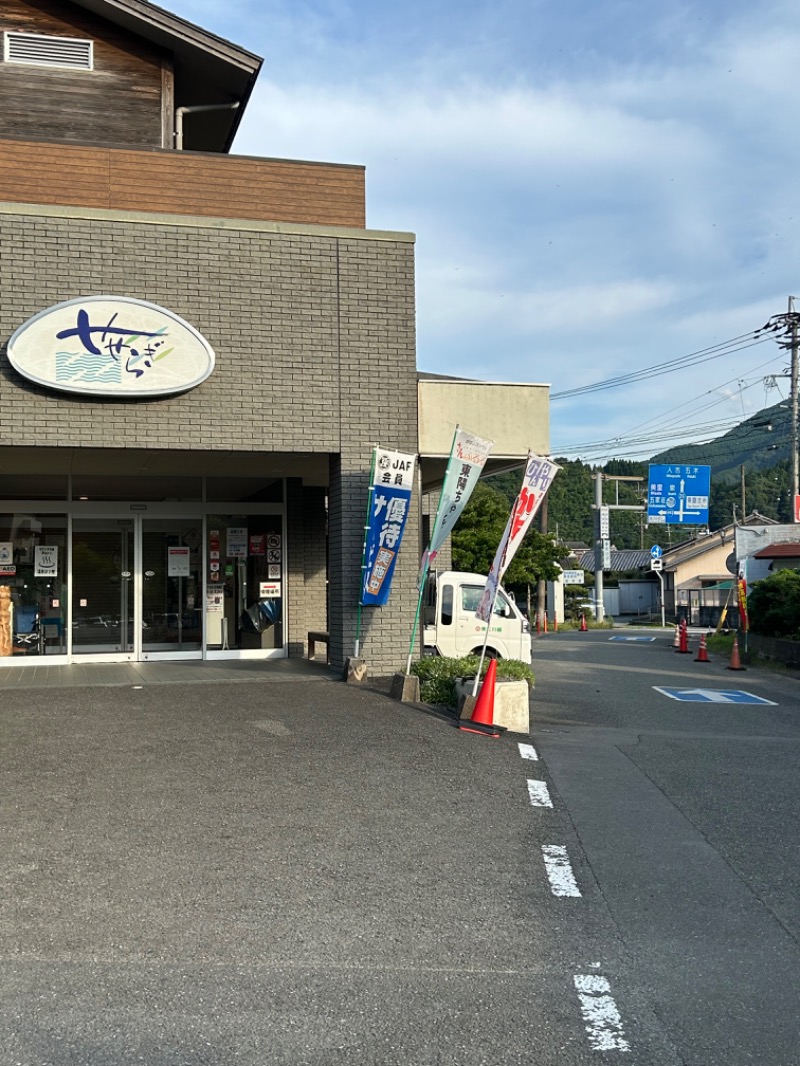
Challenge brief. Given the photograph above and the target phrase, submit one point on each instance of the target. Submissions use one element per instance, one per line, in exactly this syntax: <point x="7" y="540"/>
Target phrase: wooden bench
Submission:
<point x="317" y="636"/>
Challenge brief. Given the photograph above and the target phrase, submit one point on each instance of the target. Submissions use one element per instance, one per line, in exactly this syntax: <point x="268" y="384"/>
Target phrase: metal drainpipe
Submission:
<point x="181" y="111"/>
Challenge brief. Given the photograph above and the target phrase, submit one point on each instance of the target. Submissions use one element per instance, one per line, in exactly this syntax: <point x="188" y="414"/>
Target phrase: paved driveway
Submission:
<point x="250" y="873"/>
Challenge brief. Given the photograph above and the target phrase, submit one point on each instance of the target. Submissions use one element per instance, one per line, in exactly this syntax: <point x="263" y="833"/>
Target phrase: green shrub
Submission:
<point x="773" y="605"/>
<point x="438" y="675"/>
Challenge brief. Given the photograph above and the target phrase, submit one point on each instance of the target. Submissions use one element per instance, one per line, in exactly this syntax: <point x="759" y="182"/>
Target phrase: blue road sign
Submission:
<point x="713" y="695"/>
<point x="656" y="552"/>
<point x="678" y="494"/>
<point x="634" y="640"/>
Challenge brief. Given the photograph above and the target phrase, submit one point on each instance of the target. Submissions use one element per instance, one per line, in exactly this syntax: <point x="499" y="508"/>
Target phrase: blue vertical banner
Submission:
<point x="390" y="501"/>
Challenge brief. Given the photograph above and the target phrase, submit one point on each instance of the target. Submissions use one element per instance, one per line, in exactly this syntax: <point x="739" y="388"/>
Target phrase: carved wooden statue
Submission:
<point x="6" y="637"/>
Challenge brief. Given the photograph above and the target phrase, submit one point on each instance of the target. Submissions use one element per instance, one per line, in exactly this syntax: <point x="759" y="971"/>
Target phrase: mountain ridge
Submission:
<point x="757" y="443"/>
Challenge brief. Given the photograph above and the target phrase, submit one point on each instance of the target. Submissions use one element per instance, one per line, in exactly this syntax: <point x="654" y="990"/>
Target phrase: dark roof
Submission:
<point x="620" y="560"/>
<point x="208" y="69"/>
<point x="779" y="551"/>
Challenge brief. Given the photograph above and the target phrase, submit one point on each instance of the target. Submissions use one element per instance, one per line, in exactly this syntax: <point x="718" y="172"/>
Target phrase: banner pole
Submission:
<point x="522" y="514"/>
<point x="370" y="494"/>
<point x="425" y="567"/>
<point x="416" y="619"/>
<point x="485" y="642"/>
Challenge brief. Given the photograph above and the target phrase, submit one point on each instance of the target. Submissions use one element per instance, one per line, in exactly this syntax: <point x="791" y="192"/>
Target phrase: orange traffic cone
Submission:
<point x="702" y="652"/>
<point x="736" y="662"/>
<point x="545" y="622"/>
<point x="583" y="623"/>
<point x="555" y="622"/>
<point x="482" y="720"/>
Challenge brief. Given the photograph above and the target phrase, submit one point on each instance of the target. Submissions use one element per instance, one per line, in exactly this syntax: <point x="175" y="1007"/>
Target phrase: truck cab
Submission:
<point x="451" y="627"/>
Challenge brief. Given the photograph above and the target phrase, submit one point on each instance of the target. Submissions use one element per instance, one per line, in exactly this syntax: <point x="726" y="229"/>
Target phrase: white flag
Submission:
<point x="467" y="459"/>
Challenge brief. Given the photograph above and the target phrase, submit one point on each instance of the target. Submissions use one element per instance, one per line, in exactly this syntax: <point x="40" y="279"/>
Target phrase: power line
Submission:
<point x="670" y="430"/>
<point x="704" y="355"/>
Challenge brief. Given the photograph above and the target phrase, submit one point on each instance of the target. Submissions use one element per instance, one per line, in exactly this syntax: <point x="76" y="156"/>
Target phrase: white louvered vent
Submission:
<point x="38" y="50"/>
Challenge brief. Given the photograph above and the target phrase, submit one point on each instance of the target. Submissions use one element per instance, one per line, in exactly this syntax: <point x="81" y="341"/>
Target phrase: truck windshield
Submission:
<point x="471" y="597"/>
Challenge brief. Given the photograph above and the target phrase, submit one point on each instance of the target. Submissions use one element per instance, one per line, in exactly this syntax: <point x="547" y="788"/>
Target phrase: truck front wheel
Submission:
<point x="491" y="653"/>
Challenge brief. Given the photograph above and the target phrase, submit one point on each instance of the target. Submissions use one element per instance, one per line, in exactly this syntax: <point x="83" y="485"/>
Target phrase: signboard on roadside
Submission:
<point x="606" y="554"/>
<point x="604" y="523"/>
<point x="573" y="577"/>
<point x="677" y="494"/>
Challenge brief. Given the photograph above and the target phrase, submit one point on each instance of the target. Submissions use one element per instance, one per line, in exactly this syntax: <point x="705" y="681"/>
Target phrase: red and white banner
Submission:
<point x="539" y="474"/>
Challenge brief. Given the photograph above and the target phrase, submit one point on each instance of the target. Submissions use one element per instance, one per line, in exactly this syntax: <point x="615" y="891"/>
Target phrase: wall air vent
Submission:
<point x="35" y="49"/>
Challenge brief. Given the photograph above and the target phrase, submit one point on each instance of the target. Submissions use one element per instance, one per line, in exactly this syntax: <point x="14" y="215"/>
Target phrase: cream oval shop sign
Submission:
<point x="111" y="346"/>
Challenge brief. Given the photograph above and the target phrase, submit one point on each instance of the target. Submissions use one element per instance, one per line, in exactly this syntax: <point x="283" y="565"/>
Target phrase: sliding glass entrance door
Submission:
<point x="129" y="569"/>
<point x="171" y="569"/>
<point x="102" y="586"/>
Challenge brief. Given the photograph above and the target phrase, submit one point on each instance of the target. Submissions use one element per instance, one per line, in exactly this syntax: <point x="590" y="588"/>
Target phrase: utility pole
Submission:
<point x="541" y="585"/>
<point x="602" y="543"/>
<point x="744" y="498"/>
<point x="598" y="547"/>
<point x="794" y="375"/>
<point x="787" y="330"/>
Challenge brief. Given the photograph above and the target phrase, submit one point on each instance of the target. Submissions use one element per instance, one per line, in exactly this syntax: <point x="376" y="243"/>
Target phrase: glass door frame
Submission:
<point x="112" y="524"/>
<point x="136" y="653"/>
<point x="112" y="513"/>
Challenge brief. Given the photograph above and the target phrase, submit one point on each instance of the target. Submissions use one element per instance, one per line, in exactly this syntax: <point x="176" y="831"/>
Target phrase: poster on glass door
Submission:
<point x="45" y="560"/>
<point x="178" y="562"/>
<point x="237" y="542"/>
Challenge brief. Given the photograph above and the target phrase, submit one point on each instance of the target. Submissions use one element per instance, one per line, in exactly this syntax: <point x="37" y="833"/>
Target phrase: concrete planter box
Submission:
<point x="511" y="703"/>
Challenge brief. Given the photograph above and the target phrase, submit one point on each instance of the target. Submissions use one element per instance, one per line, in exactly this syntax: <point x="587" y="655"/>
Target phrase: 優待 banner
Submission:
<point x="390" y="499"/>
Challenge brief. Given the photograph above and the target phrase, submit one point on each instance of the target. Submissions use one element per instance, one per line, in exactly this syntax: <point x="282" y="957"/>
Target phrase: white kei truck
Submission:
<point x="451" y="628"/>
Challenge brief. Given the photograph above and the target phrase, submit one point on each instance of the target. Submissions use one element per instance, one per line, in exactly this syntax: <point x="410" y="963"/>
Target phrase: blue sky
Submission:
<point x="595" y="187"/>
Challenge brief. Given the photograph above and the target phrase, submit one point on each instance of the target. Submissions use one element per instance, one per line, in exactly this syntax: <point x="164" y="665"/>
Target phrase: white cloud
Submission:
<point x="592" y="190"/>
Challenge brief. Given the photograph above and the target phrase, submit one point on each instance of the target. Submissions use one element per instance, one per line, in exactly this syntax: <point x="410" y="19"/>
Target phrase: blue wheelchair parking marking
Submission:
<point x="713" y="695"/>
<point x="640" y="640"/>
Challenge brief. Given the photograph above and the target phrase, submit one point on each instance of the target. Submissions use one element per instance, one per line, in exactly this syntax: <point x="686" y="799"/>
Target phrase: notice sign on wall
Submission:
<point x="178" y="564"/>
<point x="215" y="602"/>
<point x="45" y="560"/>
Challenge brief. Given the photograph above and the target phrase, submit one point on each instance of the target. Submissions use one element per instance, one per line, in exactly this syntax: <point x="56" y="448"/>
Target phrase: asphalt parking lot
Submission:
<point x="256" y="873"/>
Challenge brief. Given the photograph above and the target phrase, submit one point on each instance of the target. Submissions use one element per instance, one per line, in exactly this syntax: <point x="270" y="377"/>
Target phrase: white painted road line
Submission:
<point x="559" y="871"/>
<point x="527" y="751"/>
<point x="540" y="797"/>
<point x="603" y="1021"/>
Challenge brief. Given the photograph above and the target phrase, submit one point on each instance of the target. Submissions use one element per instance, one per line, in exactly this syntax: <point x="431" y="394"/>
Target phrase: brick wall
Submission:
<point x="314" y="337"/>
<point x="307" y="560"/>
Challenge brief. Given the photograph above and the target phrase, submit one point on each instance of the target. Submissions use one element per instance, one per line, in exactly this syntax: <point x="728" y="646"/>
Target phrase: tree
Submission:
<point x="478" y="533"/>
<point x="773" y="605"/>
<point x="570" y="502"/>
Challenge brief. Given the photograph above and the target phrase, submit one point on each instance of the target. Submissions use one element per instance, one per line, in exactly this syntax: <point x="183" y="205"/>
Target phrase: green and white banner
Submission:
<point x="467" y="459"/>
